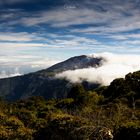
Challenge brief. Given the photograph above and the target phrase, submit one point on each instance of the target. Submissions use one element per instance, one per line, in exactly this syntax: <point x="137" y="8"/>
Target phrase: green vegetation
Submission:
<point x="106" y="113"/>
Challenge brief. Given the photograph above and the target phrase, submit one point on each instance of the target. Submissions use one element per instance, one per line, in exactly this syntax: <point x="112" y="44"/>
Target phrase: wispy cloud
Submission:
<point x="102" y="17"/>
<point x="107" y="19"/>
<point x="110" y="16"/>
<point x="19" y="37"/>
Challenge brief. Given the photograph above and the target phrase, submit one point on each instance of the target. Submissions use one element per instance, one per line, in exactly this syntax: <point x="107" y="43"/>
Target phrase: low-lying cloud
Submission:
<point x="16" y="67"/>
<point x="113" y="66"/>
<point x="12" y="73"/>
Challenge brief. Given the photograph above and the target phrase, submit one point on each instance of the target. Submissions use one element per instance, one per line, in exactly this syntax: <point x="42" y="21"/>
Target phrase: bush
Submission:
<point x="61" y="126"/>
<point x="128" y="131"/>
<point x="65" y="103"/>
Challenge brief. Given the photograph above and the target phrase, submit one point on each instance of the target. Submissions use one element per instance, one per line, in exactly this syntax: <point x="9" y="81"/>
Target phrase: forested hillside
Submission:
<point x="106" y="113"/>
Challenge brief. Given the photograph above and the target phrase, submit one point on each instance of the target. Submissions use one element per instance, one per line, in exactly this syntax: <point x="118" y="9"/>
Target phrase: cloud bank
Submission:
<point x="114" y="66"/>
<point x="11" y="66"/>
<point x="6" y="74"/>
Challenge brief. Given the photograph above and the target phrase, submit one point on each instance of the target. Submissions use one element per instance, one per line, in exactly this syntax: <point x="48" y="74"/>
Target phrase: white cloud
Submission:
<point x="27" y="57"/>
<point x="106" y="16"/>
<point x="20" y="36"/>
<point x="6" y="74"/>
<point x="124" y="37"/>
<point x="11" y="46"/>
<point x="111" y="16"/>
<point x="114" y="66"/>
<point x="18" y="65"/>
<point x="75" y="42"/>
<point x="103" y="17"/>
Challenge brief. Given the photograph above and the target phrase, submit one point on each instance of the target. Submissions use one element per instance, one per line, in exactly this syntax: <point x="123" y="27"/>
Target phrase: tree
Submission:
<point x="77" y="93"/>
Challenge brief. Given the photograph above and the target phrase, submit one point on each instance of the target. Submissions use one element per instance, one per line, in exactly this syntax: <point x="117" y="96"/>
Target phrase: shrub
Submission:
<point x="61" y="126"/>
<point x="128" y="131"/>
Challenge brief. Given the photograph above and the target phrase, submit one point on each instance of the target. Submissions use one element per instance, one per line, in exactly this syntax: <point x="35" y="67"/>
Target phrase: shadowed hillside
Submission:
<point x="43" y="83"/>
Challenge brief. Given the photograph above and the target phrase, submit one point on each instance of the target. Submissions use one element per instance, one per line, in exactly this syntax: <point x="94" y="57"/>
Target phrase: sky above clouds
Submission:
<point x="35" y="34"/>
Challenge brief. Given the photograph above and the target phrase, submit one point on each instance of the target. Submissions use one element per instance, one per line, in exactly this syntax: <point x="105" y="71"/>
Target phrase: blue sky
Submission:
<point x="37" y="33"/>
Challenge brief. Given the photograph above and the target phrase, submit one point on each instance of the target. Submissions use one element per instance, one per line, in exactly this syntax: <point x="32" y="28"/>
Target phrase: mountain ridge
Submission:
<point x="43" y="82"/>
<point x="73" y="63"/>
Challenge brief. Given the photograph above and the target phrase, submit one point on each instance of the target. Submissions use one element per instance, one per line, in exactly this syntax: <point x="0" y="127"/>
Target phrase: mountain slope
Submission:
<point x="43" y="83"/>
<point x="77" y="62"/>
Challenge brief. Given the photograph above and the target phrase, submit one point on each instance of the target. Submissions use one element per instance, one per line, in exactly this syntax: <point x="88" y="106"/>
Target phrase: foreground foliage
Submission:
<point x="106" y="113"/>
